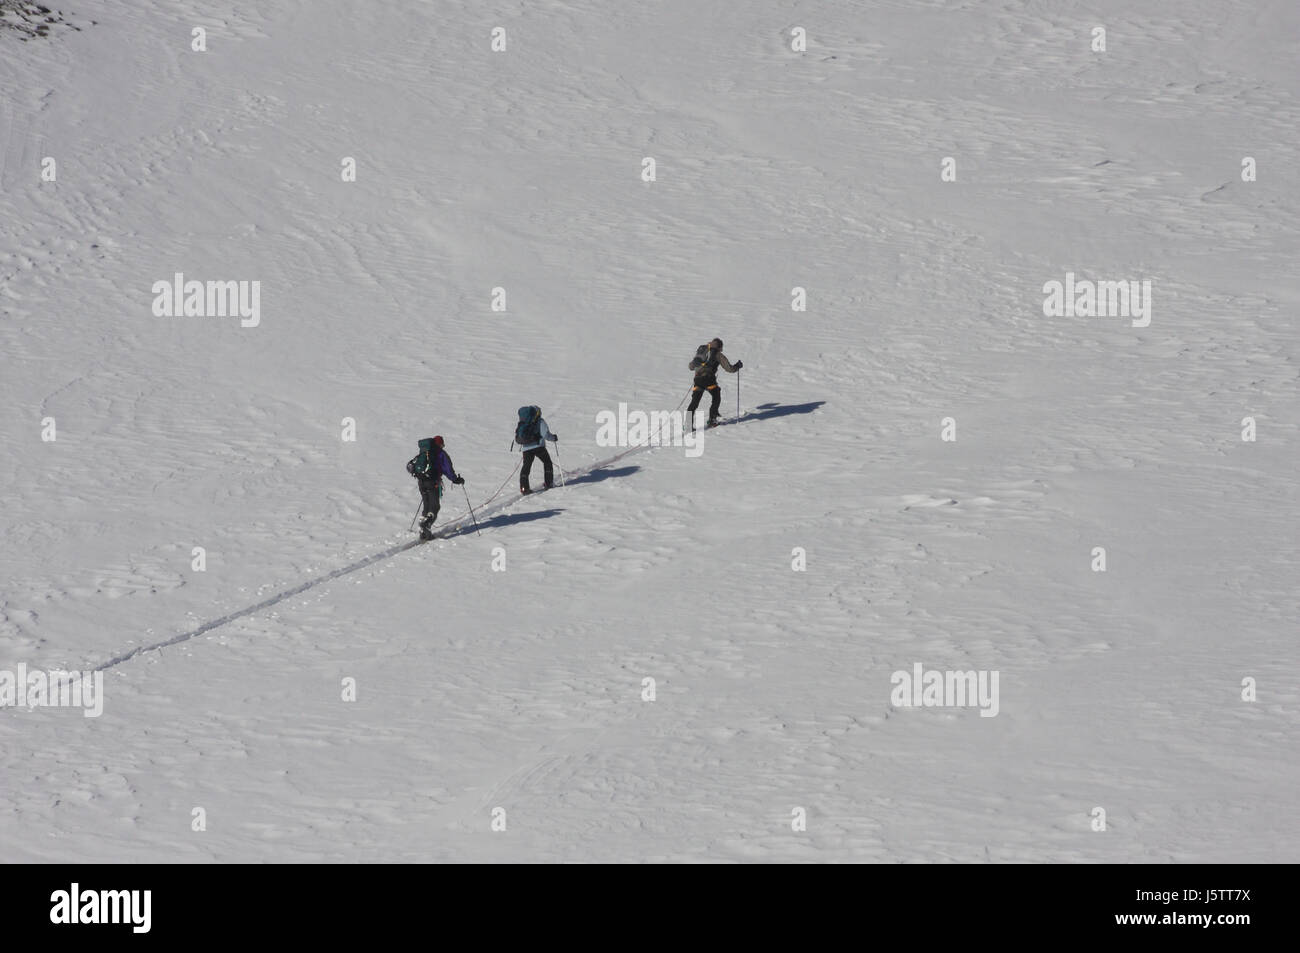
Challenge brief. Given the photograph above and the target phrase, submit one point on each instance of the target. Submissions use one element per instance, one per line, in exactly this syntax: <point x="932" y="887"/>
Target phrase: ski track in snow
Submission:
<point x="464" y="524"/>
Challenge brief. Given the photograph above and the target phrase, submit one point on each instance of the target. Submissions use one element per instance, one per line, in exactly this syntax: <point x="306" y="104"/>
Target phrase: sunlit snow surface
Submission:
<point x="524" y="689"/>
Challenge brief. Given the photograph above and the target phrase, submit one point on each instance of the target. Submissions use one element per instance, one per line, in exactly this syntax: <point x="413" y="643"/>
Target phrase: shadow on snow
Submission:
<point x="505" y="519"/>
<point x="769" y="411"/>
<point x="595" y="473"/>
<point x="595" y="476"/>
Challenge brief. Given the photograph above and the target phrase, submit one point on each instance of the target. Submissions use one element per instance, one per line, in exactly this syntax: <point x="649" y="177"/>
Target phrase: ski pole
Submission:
<point x="559" y="464"/>
<point x="471" y="510"/>
<point x="738" y="392"/>
<point x="417" y="514"/>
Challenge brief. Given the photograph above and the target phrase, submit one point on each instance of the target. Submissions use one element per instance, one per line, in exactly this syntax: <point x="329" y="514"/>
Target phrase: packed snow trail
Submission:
<point x="457" y="527"/>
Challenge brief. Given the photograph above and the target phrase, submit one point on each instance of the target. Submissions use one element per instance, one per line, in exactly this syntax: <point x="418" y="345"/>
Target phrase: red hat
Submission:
<point x="437" y="441"/>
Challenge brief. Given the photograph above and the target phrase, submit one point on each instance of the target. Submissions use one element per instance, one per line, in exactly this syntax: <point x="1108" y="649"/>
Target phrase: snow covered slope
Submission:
<point x="524" y="689"/>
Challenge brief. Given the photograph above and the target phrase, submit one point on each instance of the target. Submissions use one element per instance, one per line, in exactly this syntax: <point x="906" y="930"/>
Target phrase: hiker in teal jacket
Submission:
<point x="531" y="434"/>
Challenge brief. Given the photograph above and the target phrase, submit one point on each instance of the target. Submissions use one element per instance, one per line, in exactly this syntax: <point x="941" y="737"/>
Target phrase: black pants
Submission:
<point x="541" y="454"/>
<point x="431" y="495"/>
<point x="696" y="393"/>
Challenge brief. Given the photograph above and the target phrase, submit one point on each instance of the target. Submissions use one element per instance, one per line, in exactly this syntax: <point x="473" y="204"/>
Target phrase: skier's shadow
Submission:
<point x="595" y="476"/>
<point x="506" y="519"/>
<point x="768" y="411"/>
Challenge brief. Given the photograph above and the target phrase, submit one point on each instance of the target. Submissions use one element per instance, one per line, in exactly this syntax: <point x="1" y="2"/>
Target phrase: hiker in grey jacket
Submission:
<point x="708" y="358"/>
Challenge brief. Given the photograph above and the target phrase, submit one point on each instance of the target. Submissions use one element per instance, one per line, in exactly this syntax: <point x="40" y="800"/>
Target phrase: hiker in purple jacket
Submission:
<point x="428" y="467"/>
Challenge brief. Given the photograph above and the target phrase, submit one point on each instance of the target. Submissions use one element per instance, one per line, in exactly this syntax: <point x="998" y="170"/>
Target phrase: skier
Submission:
<point x="705" y="365"/>
<point x="531" y="433"/>
<point x="428" y="467"/>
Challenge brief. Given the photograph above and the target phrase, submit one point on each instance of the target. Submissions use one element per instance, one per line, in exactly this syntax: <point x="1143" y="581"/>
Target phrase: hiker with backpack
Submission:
<point x="531" y="433"/>
<point x="428" y="467"/>
<point x="708" y="357"/>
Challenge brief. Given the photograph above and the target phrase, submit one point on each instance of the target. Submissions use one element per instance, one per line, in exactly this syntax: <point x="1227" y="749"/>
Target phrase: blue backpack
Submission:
<point x="529" y="428"/>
